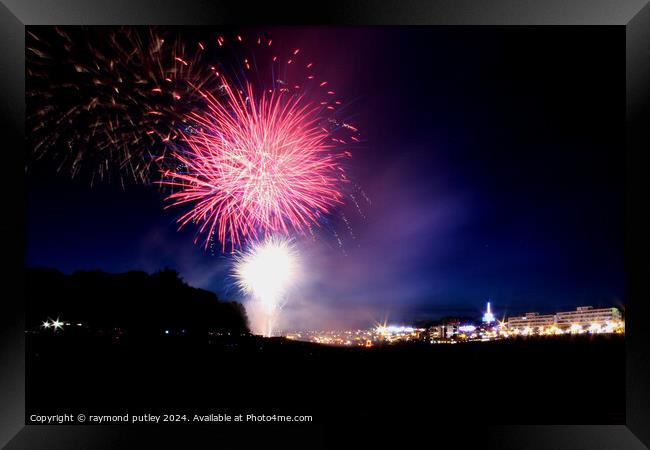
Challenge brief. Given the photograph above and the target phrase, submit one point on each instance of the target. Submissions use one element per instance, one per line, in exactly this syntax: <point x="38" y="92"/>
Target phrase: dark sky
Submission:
<point x="493" y="158"/>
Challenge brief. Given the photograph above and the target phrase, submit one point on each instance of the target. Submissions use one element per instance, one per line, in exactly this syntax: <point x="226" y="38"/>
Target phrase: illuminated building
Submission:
<point x="583" y="319"/>
<point x="451" y="329"/>
<point x="531" y="322"/>
<point x="436" y="332"/>
<point x="444" y="331"/>
<point x="587" y="317"/>
<point x="488" y="317"/>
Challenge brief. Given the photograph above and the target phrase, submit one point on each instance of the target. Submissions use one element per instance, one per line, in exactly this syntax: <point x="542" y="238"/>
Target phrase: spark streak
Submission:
<point x="255" y="165"/>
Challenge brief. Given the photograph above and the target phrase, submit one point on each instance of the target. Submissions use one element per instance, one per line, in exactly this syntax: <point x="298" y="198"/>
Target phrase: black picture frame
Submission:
<point x="633" y="15"/>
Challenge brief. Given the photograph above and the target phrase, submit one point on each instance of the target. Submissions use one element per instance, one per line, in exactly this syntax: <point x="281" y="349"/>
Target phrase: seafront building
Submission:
<point x="583" y="319"/>
<point x="531" y="320"/>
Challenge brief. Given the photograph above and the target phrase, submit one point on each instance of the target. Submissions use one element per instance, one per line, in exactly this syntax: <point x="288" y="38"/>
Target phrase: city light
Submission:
<point x="488" y="317"/>
<point x="575" y="328"/>
<point x="453" y="332"/>
<point x="54" y="324"/>
<point x="394" y="329"/>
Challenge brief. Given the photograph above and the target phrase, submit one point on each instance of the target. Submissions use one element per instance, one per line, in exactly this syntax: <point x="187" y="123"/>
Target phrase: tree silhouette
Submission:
<point x="135" y="302"/>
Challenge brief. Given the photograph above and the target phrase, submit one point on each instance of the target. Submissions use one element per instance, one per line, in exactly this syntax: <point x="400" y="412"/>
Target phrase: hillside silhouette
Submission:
<point x="136" y="303"/>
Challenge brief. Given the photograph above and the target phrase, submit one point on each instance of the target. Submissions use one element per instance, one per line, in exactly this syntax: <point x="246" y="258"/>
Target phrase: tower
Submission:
<point x="488" y="317"/>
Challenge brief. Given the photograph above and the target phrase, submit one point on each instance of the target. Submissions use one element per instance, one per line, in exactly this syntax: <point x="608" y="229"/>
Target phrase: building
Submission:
<point x="583" y="319"/>
<point x="586" y="317"/>
<point x="436" y="332"/>
<point x="443" y="331"/>
<point x="530" y="323"/>
<point x="451" y="329"/>
<point x="488" y="317"/>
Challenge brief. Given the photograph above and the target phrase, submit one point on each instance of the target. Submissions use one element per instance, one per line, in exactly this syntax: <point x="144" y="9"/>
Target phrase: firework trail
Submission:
<point x="261" y="159"/>
<point x="106" y="101"/>
<point x="266" y="271"/>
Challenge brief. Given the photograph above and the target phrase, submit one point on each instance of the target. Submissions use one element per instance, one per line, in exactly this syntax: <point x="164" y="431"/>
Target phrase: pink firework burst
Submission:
<point x="255" y="165"/>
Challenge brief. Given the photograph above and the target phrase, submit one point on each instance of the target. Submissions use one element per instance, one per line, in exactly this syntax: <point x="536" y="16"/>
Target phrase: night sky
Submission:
<point x="493" y="159"/>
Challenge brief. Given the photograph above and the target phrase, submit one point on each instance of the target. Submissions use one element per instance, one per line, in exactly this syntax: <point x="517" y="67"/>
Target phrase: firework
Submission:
<point x="248" y="136"/>
<point x="265" y="271"/>
<point x="266" y="155"/>
<point x="107" y="101"/>
<point x="256" y="165"/>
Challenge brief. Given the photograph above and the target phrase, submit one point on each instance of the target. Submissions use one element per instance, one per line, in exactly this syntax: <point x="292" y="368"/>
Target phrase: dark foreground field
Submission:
<point x="543" y="381"/>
